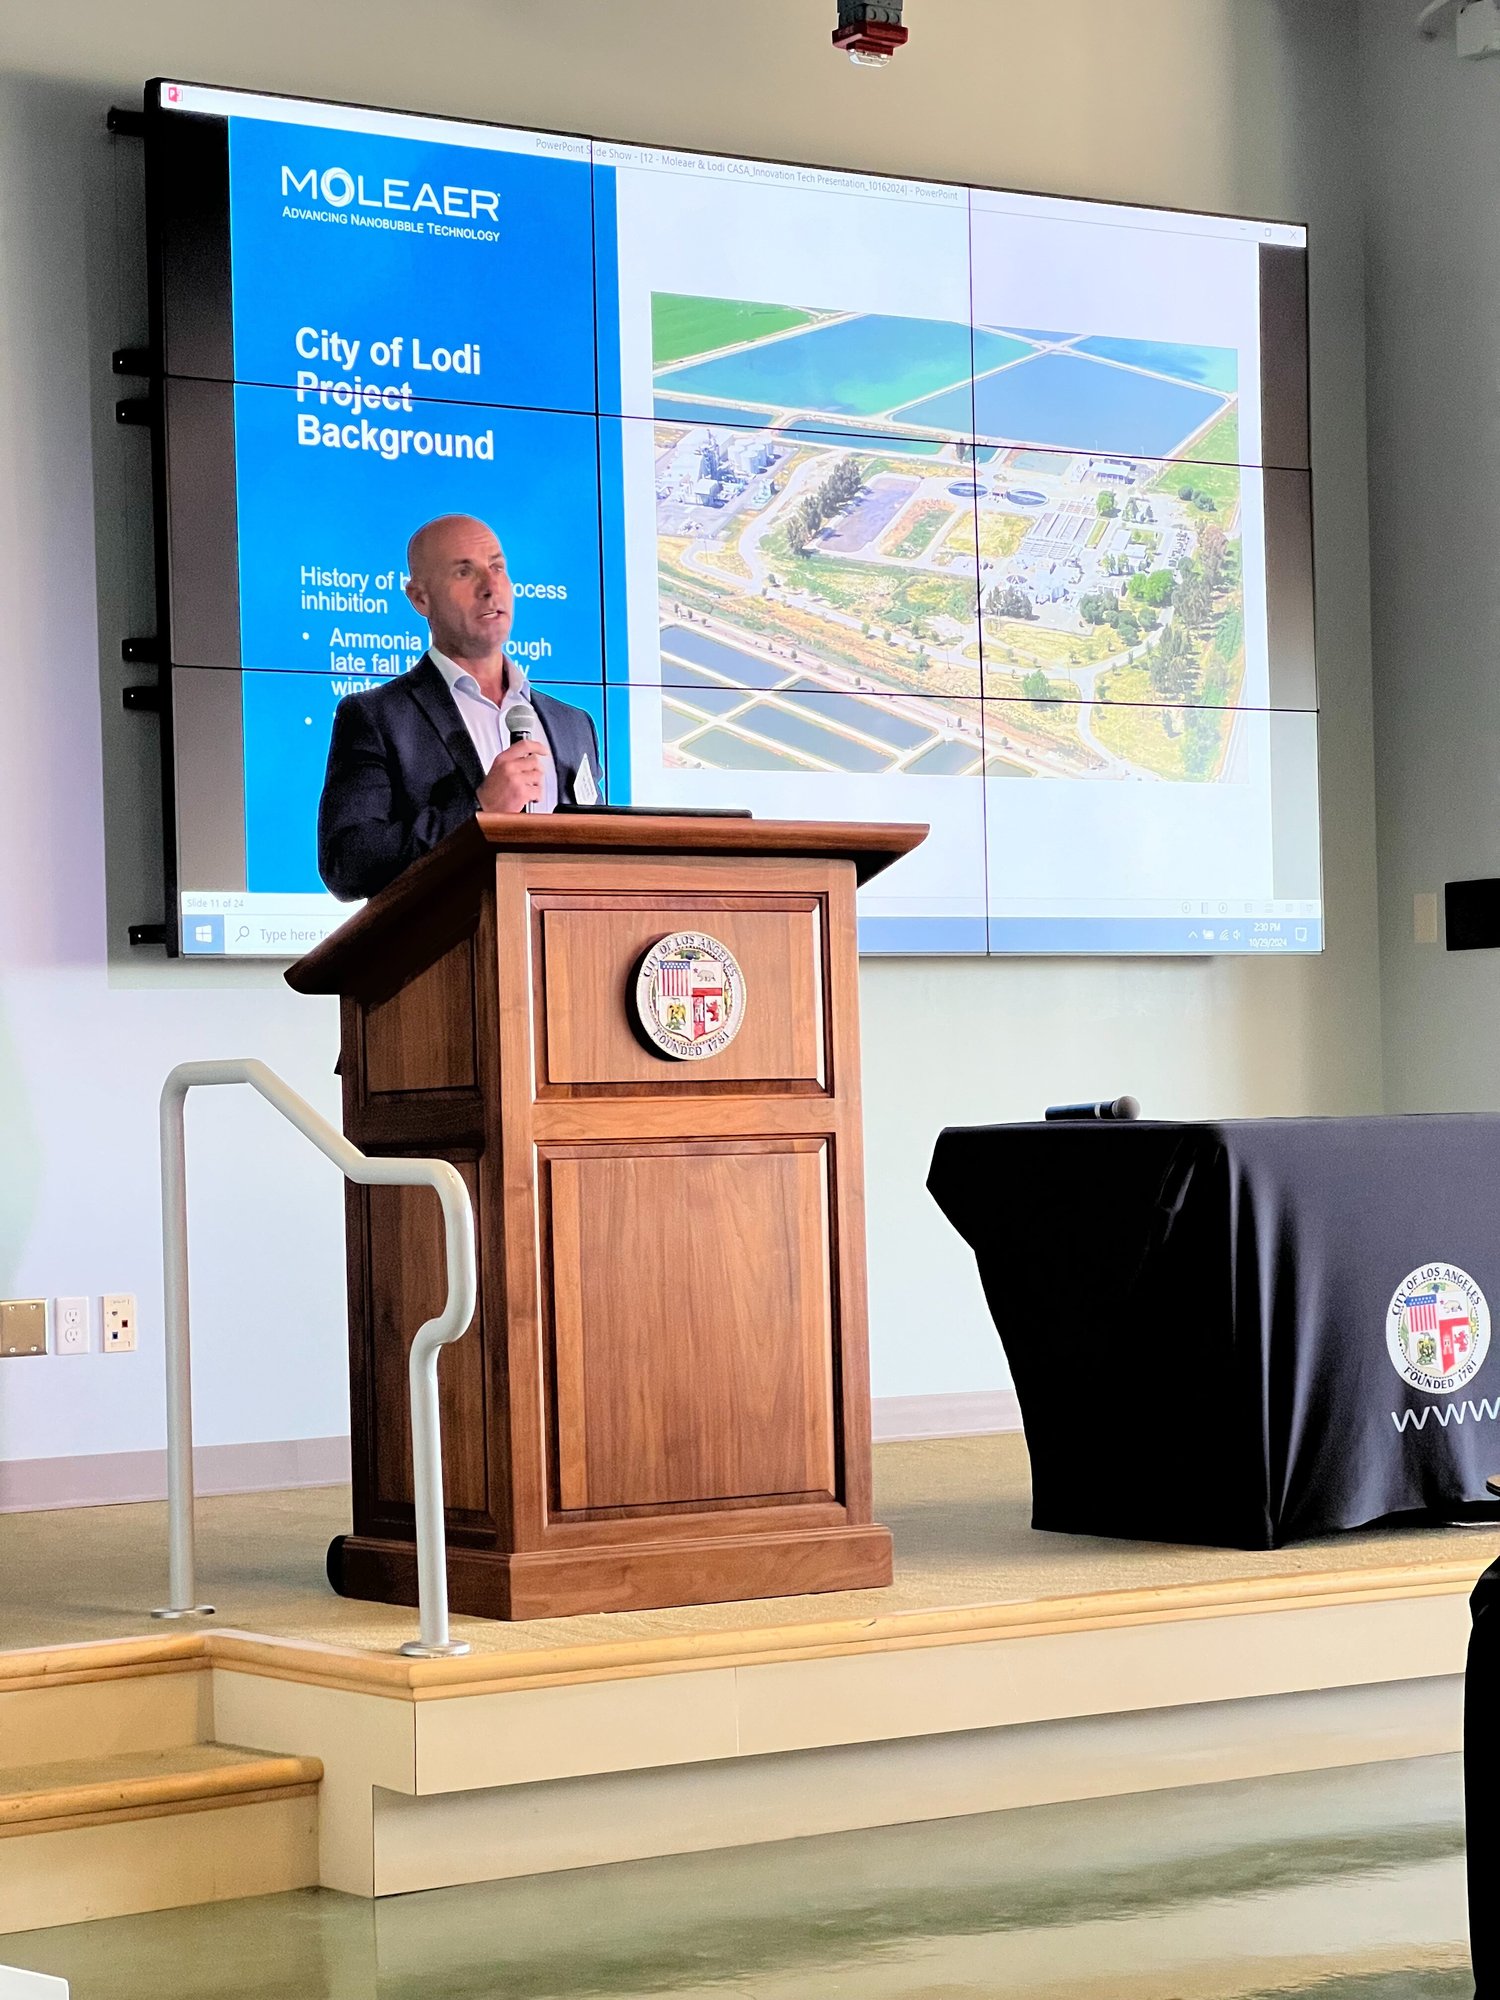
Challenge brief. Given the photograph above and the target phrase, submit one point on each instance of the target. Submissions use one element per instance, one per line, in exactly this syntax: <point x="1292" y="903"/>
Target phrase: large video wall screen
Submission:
<point x="828" y="495"/>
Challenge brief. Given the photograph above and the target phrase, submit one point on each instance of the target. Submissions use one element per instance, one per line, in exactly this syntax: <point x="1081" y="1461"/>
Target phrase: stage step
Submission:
<point x="100" y="1701"/>
<point x="140" y="1784"/>
<point x="152" y="1829"/>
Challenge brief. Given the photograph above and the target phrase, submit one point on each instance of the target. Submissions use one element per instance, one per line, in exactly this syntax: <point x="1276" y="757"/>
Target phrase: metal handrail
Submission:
<point x="426" y="1428"/>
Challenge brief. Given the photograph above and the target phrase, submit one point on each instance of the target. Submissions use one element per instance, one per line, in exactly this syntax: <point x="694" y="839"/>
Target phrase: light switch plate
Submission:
<point x="23" y="1327"/>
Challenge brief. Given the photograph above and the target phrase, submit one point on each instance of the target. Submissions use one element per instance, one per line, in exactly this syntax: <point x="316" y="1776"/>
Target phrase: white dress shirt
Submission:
<point x="485" y="719"/>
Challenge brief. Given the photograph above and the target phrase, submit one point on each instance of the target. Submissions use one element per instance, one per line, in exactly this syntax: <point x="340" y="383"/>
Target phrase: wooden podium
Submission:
<point x="664" y="1397"/>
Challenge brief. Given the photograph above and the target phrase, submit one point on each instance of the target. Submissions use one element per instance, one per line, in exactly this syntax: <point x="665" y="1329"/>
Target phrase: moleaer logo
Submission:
<point x="338" y="188"/>
<point x="1437" y="1329"/>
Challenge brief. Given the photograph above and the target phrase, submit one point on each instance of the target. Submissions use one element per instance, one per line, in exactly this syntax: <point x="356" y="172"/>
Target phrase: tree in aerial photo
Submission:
<point x="1175" y="673"/>
<point x="1008" y="601"/>
<point x="815" y="510"/>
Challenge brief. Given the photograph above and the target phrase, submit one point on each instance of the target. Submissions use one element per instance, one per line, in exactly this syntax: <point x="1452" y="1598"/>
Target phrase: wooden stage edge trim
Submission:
<point x="65" y="1806"/>
<point x="391" y="1675"/>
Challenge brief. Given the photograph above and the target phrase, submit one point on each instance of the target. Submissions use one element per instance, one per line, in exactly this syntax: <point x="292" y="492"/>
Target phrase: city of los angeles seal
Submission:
<point x="1437" y="1328"/>
<point x="690" y="996"/>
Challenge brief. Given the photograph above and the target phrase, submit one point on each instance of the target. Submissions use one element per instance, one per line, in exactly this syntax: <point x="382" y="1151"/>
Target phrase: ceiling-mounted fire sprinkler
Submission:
<point x="870" y="30"/>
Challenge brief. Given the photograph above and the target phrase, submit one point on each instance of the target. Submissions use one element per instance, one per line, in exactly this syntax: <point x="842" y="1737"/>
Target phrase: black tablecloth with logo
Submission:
<point x="1246" y="1333"/>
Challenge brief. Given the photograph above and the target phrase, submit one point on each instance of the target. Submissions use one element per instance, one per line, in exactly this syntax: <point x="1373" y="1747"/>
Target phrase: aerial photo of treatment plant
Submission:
<point x="904" y="545"/>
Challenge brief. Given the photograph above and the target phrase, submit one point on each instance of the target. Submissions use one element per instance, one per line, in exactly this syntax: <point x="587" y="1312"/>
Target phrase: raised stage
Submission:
<point x="286" y="1742"/>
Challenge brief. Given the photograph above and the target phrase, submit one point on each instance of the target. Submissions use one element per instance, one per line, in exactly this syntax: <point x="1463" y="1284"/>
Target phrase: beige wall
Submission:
<point x="1433" y="307"/>
<point x="1242" y="105"/>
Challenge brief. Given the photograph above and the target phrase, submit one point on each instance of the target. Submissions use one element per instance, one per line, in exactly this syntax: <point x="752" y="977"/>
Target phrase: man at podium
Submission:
<point x="461" y="733"/>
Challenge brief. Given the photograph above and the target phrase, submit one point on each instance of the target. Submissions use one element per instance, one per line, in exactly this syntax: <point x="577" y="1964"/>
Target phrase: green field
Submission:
<point x="682" y="327"/>
<point x="1221" y="440"/>
<point x="1038" y="646"/>
<point x="1211" y="468"/>
<point x="889" y="597"/>
<point x="1183" y="744"/>
<point x="923" y="526"/>
<point x="1001" y="534"/>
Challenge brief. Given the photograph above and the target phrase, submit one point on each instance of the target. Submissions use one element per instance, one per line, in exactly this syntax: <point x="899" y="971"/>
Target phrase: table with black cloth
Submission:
<point x="1195" y="1316"/>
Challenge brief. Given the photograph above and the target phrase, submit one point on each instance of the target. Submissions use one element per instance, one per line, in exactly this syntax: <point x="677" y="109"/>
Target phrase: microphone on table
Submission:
<point x="521" y="721"/>
<point x="1111" y="1109"/>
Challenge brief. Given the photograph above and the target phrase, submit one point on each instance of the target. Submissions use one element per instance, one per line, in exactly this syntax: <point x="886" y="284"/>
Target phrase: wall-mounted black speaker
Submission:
<point x="1472" y="910"/>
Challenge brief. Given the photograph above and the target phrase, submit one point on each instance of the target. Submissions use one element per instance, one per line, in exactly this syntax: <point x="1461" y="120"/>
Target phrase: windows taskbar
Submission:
<point x="251" y="924"/>
<point x="1155" y="935"/>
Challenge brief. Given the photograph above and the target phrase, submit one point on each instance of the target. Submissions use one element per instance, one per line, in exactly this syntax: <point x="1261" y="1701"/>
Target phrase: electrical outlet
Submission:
<point x="72" y="1326"/>
<point x="23" y="1327"/>
<point x="119" y="1322"/>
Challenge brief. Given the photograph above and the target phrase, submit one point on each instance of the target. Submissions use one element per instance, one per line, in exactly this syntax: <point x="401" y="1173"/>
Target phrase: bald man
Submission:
<point x="414" y="758"/>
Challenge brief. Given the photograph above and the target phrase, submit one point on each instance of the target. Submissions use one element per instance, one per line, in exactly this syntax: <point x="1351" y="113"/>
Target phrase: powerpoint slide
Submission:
<point x="808" y="481"/>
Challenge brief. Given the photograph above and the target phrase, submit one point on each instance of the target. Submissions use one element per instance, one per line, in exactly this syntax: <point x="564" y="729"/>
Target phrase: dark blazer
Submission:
<point x="403" y="773"/>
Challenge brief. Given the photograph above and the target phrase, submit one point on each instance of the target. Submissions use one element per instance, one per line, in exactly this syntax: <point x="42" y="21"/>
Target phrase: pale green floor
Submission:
<point x="1347" y="1885"/>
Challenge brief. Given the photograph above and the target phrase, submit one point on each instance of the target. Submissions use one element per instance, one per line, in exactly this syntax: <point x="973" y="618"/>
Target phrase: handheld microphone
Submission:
<point x="521" y="721"/>
<point x="1113" y="1108"/>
